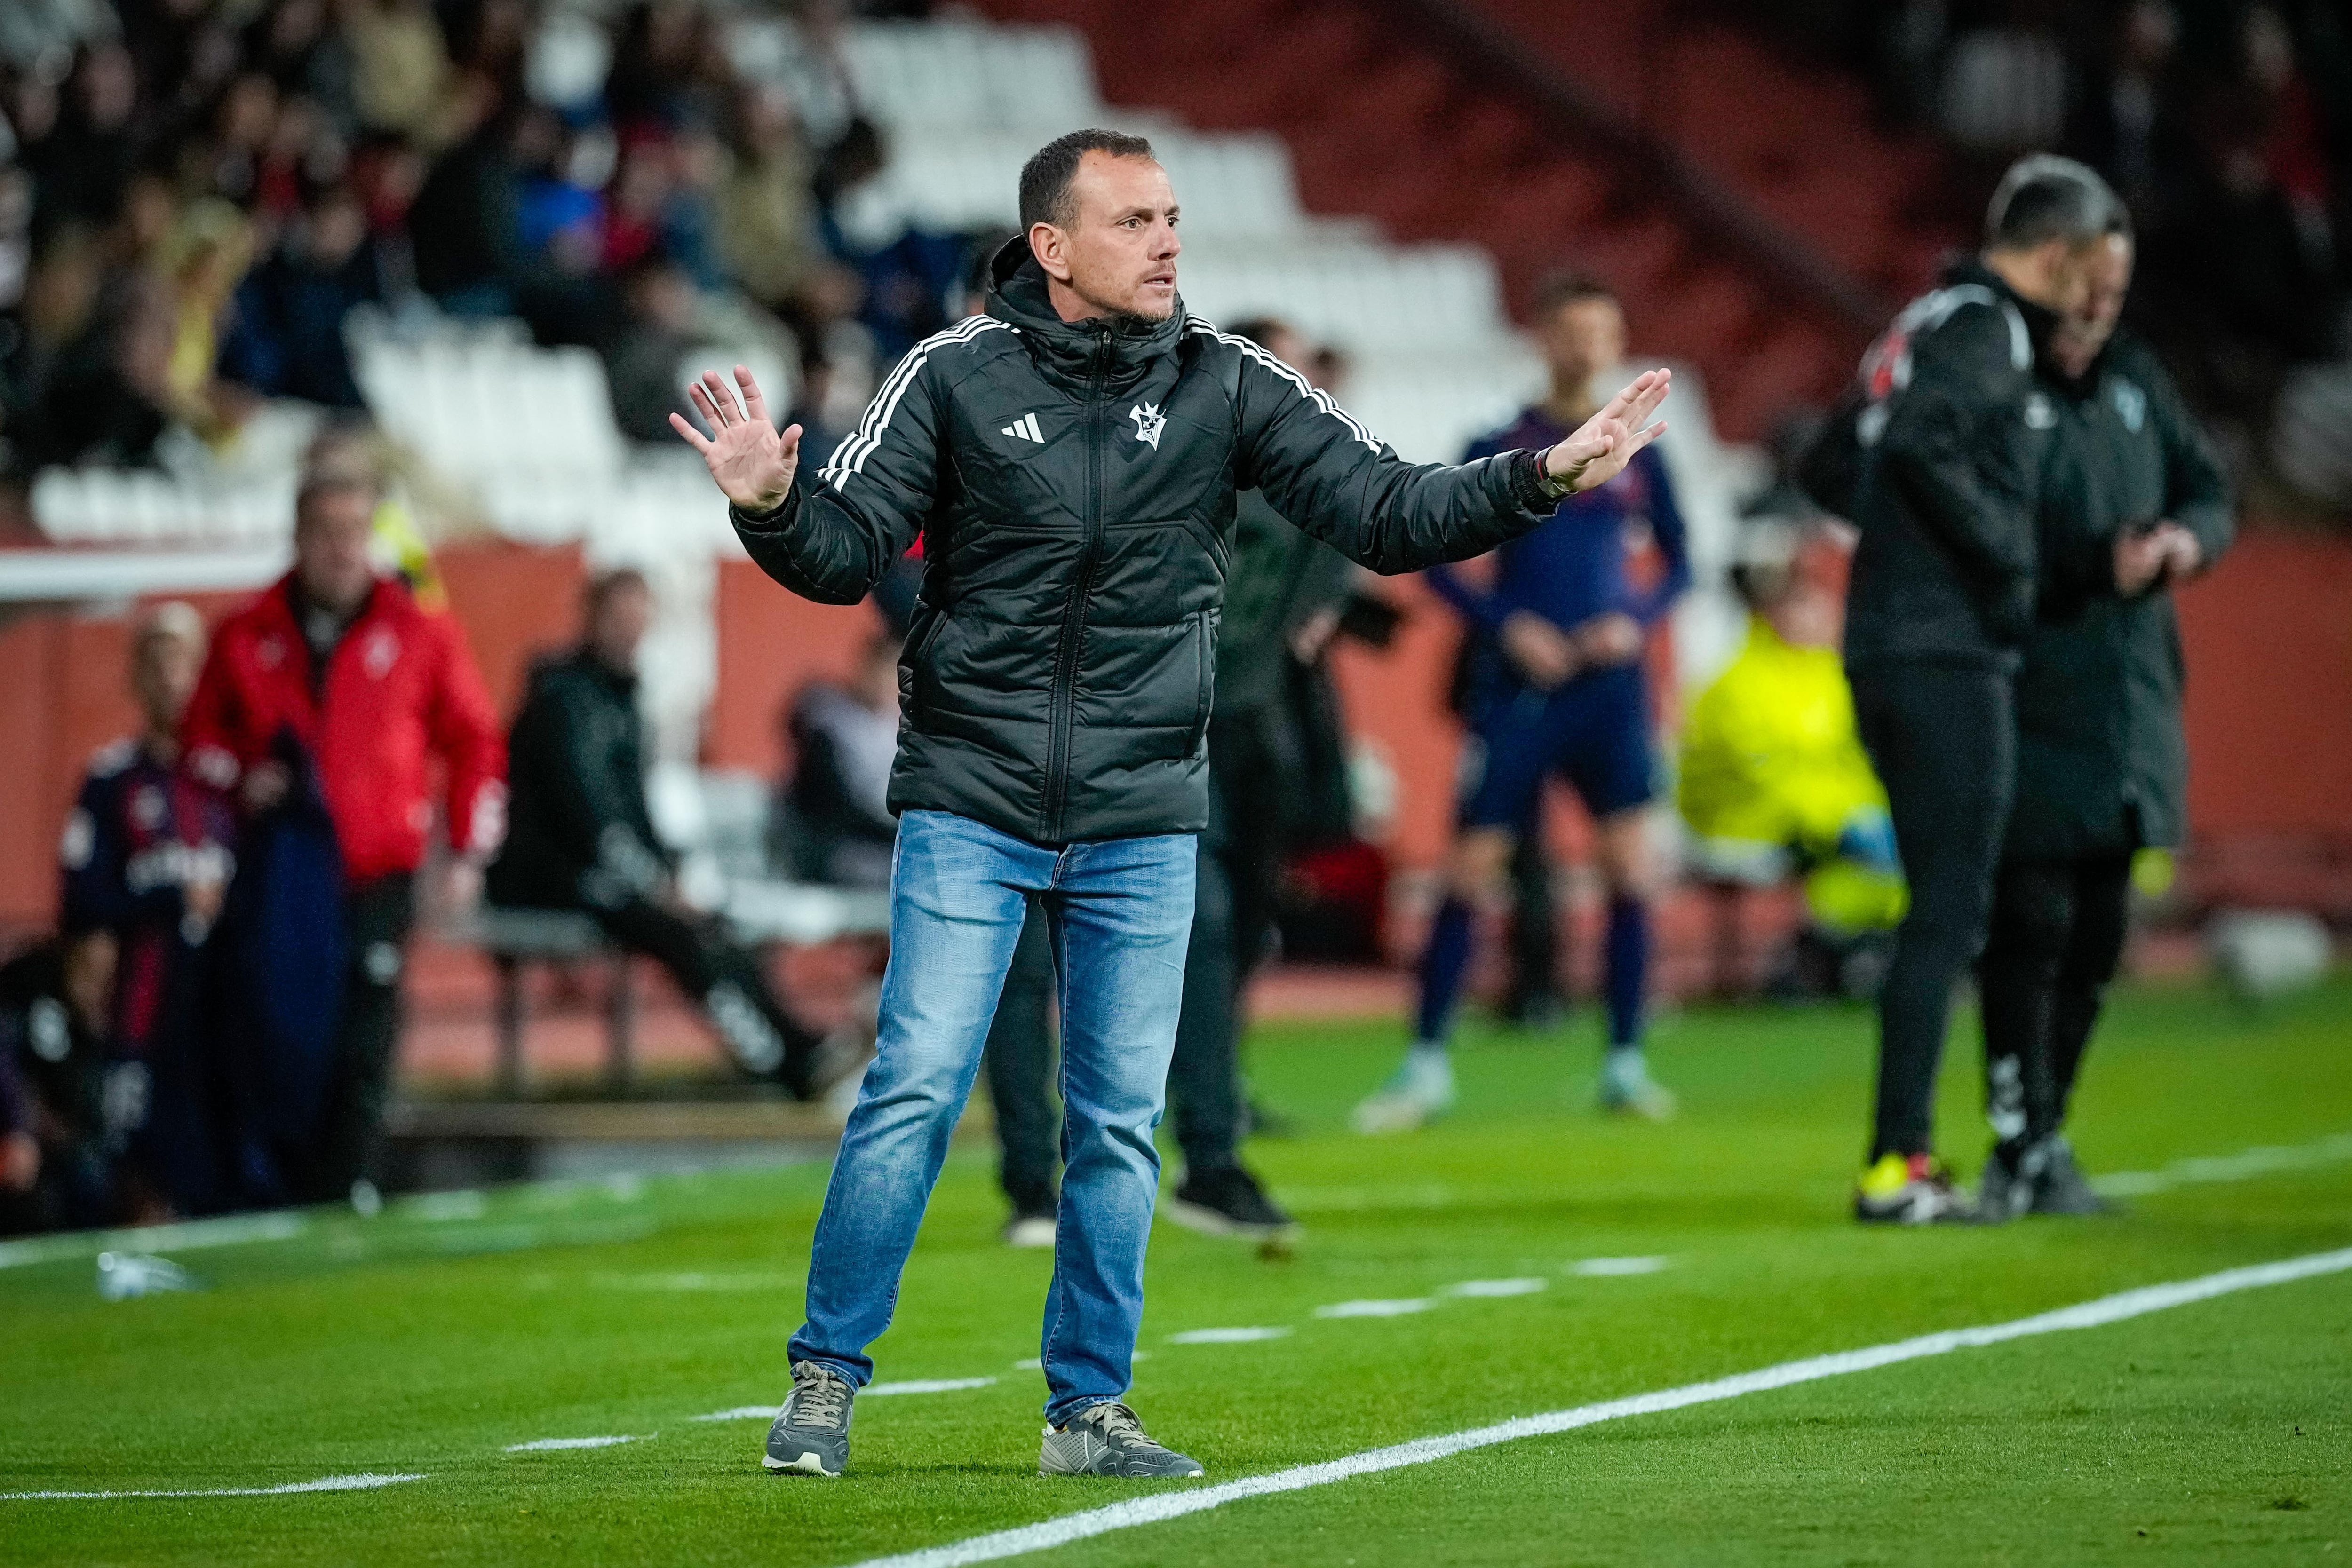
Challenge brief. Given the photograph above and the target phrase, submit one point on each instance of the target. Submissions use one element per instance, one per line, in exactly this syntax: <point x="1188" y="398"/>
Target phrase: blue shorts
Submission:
<point x="1593" y="734"/>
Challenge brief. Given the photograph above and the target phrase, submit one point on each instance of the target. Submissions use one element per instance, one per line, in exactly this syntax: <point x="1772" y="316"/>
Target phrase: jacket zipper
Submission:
<point x="1074" y="613"/>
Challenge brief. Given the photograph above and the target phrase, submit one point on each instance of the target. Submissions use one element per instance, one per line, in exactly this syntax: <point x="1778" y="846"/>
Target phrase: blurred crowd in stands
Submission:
<point x="2226" y="126"/>
<point x="194" y="192"/>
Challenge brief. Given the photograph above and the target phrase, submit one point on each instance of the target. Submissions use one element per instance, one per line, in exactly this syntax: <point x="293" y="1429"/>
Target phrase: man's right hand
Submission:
<point x="2140" y="558"/>
<point x="1541" y="650"/>
<point x="266" y="784"/>
<point x="20" y="1161"/>
<point x="750" y="462"/>
<point x="1608" y="639"/>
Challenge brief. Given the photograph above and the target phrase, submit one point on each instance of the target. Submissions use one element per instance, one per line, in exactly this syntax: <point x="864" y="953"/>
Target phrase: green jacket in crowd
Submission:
<point x="2103" y="764"/>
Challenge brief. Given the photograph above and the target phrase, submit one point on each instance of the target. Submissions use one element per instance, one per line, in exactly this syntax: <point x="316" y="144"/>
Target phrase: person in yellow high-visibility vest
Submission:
<point x="1772" y="771"/>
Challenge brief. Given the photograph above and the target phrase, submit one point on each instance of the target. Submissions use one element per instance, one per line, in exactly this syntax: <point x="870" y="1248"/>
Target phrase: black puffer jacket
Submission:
<point x="578" y="830"/>
<point x="2101" y="759"/>
<point x="1950" y="430"/>
<point x="1074" y="487"/>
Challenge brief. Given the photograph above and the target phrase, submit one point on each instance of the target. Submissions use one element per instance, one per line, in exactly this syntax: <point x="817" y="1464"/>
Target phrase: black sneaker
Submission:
<point x="2006" y="1189"/>
<point x="1227" y="1201"/>
<point x="2061" y="1187"/>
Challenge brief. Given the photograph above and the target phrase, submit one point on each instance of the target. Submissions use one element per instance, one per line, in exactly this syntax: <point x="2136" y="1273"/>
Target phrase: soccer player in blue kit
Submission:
<point x="1556" y="690"/>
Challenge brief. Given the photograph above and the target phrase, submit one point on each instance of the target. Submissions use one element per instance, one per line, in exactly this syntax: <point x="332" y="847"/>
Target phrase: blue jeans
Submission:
<point x="1119" y="912"/>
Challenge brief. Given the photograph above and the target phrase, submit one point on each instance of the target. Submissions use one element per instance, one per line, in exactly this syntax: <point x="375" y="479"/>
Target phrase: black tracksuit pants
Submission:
<point x="1943" y="736"/>
<point x="377" y="915"/>
<point x="1019" y="1063"/>
<point x="1232" y="924"/>
<point x="725" y="980"/>
<point x="2057" y="935"/>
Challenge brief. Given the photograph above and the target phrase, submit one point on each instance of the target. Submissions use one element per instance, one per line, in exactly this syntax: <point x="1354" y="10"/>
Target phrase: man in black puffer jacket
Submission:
<point x="1070" y="461"/>
<point x="2133" y="502"/>
<point x="1948" y="432"/>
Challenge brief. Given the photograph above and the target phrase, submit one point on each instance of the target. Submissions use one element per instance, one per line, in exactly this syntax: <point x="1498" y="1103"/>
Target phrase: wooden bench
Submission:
<point x="512" y="938"/>
<point x="757" y="911"/>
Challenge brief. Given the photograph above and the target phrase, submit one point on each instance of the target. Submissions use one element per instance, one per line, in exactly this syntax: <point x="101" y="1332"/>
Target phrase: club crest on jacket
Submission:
<point x="1148" y="423"/>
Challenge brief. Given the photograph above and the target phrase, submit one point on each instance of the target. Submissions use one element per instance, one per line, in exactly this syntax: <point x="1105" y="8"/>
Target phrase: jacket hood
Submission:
<point x="1070" y="351"/>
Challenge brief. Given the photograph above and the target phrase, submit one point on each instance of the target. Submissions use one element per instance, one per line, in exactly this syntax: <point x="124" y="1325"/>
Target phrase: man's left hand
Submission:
<point x="1604" y="443"/>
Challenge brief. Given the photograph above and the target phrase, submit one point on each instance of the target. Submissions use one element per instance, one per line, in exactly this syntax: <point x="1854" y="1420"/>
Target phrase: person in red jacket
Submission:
<point x="341" y="668"/>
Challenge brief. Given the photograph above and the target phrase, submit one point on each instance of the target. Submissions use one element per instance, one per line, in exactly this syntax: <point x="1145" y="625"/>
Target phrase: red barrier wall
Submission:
<point x="2268" y="635"/>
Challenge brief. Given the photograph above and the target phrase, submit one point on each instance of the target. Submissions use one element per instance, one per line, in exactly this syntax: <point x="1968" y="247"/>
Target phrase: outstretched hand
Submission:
<point x="1602" y="445"/>
<point x="751" y="463"/>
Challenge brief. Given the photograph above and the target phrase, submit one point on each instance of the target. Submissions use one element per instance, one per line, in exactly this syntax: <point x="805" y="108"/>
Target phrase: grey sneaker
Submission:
<point x="811" y="1436"/>
<point x="1107" y="1440"/>
<point x="2061" y="1188"/>
<point x="1628" y="1090"/>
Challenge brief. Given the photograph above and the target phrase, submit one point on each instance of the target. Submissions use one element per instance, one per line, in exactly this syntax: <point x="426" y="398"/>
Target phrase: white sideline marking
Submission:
<point x="1496" y="1287"/>
<point x="1226" y="1337"/>
<point x="547" y="1445"/>
<point x="1394" y="1309"/>
<point x="184" y="1237"/>
<point x="1607" y="1268"/>
<point x="324" y="1484"/>
<point x="2241" y="1166"/>
<point x="872" y="1390"/>
<point x="1158" y="1507"/>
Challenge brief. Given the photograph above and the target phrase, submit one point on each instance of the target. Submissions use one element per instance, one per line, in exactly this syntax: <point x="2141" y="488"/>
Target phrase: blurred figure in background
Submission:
<point x="1937" y="458"/>
<point x="328" y="706"/>
<point x="1774" y="779"/>
<point x="146" y="857"/>
<point x="832" y="821"/>
<point x="1282" y="605"/>
<point x="61" y="1141"/>
<point x="1561" y="692"/>
<point x="582" y="838"/>
<point x="2133" y="502"/>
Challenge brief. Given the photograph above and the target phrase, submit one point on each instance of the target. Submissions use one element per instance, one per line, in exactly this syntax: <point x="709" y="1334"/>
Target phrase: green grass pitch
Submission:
<point x="430" y="1340"/>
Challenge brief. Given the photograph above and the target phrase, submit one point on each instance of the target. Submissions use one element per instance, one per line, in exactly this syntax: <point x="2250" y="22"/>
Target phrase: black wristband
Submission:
<point x="1531" y="487"/>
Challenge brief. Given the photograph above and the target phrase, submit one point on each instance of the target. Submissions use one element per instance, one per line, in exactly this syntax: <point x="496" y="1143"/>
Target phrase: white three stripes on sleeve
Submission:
<point x="850" y="459"/>
<point x="1307" y="389"/>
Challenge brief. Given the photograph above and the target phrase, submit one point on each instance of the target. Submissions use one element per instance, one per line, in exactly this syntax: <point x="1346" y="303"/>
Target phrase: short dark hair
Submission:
<point x="1045" y="178"/>
<point x="2045" y="197"/>
<point x="599" y="590"/>
<point x="1569" y="286"/>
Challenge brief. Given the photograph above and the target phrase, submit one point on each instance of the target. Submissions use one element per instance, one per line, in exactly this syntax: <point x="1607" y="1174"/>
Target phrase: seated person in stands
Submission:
<point x="1774" y="778"/>
<point x="580" y="836"/>
<point x="832" y="821"/>
<point x="64" y="1118"/>
<point x="146" y="857"/>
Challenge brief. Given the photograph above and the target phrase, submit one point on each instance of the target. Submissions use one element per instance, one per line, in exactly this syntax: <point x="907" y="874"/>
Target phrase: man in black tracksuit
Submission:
<point x="2132" y="502"/>
<point x="1282" y="604"/>
<point x="1950" y="433"/>
<point x="579" y="836"/>
<point x="1071" y="461"/>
